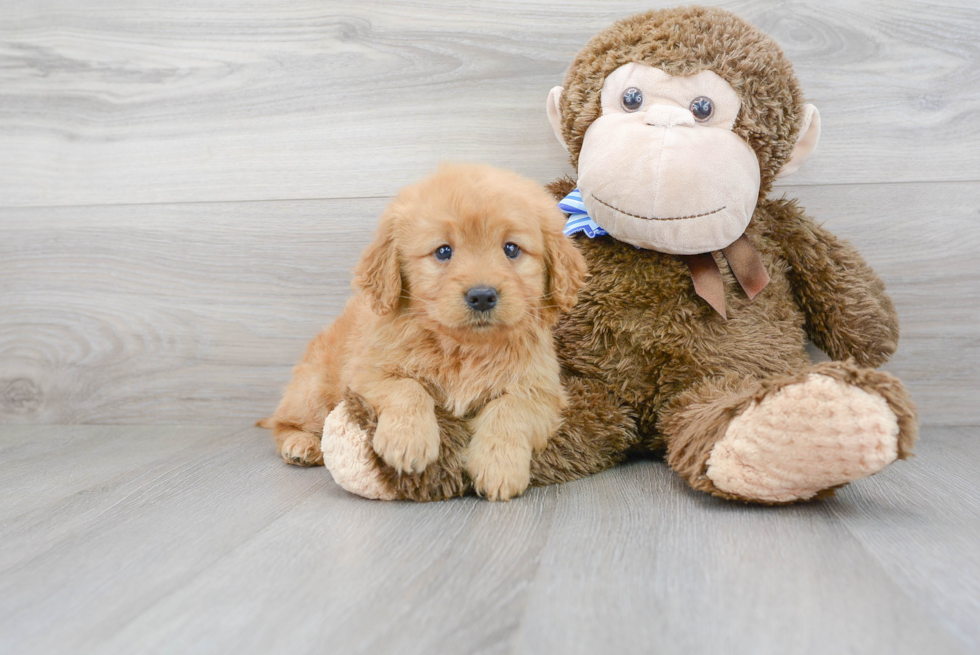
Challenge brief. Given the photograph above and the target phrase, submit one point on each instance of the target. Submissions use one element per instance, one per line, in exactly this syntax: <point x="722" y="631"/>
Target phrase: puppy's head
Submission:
<point x="472" y="249"/>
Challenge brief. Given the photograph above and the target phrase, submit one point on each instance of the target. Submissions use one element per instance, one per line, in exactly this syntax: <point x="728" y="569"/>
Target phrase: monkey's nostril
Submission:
<point x="481" y="299"/>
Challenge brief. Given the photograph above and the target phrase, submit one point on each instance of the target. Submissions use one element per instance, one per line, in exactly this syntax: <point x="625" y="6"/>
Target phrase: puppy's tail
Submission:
<point x="264" y="423"/>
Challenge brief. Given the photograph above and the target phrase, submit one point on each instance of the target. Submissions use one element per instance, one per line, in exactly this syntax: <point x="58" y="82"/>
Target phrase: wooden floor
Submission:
<point x="184" y="188"/>
<point x="198" y="539"/>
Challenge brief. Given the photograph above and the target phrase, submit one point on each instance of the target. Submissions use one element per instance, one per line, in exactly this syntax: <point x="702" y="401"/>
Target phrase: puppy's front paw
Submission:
<point x="301" y="449"/>
<point x="407" y="442"/>
<point x="499" y="471"/>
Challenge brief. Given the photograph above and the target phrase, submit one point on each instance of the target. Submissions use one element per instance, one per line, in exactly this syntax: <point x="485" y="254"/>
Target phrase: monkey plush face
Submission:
<point x="661" y="167"/>
<point x="678" y="121"/>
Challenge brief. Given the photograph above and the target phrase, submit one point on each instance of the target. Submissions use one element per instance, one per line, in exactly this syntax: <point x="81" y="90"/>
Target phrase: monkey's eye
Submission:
<point x="632" y="99"/>
<point x="443" y="253"/>
<point x="512" y="250"/>
<point x="702" y="108"/>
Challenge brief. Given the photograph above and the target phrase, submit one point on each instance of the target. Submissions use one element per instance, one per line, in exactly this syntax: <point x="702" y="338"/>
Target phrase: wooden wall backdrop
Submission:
<point x="184" y="186"/>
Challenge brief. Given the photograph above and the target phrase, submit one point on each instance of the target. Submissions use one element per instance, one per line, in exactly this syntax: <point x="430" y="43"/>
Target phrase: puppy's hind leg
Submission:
<point x="314" y="391"/>
<point x="297" y="447"/>
<point x="297" y="425"/>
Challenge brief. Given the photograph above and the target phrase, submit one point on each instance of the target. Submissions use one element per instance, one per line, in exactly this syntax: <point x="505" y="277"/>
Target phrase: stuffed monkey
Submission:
<point x="688" y="337"/>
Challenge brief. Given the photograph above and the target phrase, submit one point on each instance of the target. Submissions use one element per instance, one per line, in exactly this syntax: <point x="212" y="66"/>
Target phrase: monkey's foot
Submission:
<point x="802" y="439"/>
<point x="350" y="457"/>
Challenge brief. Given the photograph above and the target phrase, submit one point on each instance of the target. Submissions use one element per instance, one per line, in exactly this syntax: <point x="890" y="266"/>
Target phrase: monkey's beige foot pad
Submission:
<point x="348" y="455"/>
<point x="802" y="439"/>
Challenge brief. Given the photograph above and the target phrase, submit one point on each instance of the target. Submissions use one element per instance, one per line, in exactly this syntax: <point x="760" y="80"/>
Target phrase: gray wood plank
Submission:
<point x="138" y="102"/>
<point x="636" y="562"/>
<point x="360" y="577"/>
<point x="220" y="547"/>
<point x="74" y="571"/>
<point x="117" y="303"/>
<point x="43" y="464"/>
<point x="922" y="524"/>
<point x="97" y="486"/>
<point x="196" y="313"/>
<point x="224" y="548"/>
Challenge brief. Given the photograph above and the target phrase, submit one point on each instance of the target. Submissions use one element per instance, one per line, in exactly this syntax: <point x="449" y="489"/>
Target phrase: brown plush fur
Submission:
<point x="647" y="364"/>
<point x="410" y="345"/>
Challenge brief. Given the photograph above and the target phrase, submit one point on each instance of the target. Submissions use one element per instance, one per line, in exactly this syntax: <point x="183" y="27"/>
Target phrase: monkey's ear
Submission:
<point x="554" y="114"/>
<point x="806" y="143"/>
<point x="378" y="274"/>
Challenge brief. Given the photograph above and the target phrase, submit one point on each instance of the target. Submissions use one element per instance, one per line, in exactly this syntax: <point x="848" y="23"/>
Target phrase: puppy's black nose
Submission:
<point x="482" y="299"/>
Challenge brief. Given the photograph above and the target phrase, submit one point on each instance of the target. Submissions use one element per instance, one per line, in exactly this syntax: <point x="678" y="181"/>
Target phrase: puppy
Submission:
<point x="456" y="299"/>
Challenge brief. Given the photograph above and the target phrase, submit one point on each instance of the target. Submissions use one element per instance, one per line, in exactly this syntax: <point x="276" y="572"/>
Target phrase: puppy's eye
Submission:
<point x="702" y="108"/>
<point x="512" y="250"/>
<point x="443" y="253"/>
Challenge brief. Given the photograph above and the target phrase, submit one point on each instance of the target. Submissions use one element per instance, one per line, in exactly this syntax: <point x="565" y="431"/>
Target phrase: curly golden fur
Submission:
<point x="410" y="343"/>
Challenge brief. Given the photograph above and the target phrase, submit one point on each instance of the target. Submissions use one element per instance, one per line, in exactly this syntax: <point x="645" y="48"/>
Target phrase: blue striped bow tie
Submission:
<point x="578" y="217"/>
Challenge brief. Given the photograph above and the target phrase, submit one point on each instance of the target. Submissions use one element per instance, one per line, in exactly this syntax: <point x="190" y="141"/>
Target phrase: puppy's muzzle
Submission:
<point x="481" y="299"/>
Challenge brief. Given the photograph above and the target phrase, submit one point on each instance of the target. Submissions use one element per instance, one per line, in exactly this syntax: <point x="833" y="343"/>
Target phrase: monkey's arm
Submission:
<point x="848" y="313"/>
<point x="596" y="433"/>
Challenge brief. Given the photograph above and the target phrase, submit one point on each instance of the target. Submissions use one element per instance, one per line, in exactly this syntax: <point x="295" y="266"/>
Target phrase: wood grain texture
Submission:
<point x="196" y="313"/>
<point x="90" y="563"/>
<point x="116" y="102"/>
<point x="908" y="517"/>
<point x="217" y="546"/>
<point x="38" y="465"/>
<point x="364" y="577"/>
<point x="118" y="301"/>
<point x="641" y="563"/>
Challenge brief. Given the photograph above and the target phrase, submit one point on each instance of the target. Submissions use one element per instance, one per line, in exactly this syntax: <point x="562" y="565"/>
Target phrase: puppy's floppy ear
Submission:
<point x="378" y="273"/>
<point x="566" y="266"/>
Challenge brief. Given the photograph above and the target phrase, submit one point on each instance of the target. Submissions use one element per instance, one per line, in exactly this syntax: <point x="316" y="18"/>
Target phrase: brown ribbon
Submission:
<point x="746" y="265"/>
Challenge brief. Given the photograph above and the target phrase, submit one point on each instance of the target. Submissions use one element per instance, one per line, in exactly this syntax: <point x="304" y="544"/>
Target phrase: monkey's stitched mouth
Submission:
<point x="654" y="218"/>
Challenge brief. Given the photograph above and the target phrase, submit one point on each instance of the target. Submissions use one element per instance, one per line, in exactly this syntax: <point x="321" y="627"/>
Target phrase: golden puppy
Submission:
<point x="457" y="298"/>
